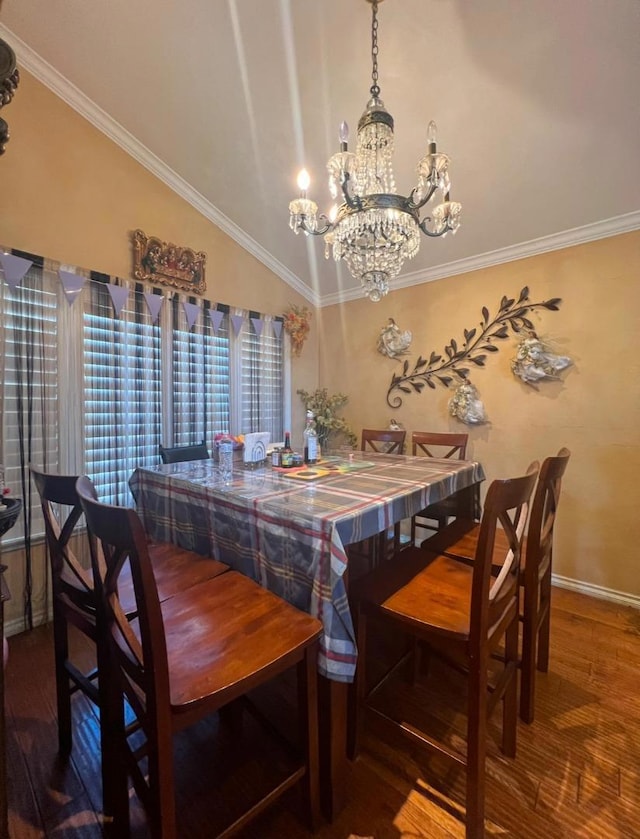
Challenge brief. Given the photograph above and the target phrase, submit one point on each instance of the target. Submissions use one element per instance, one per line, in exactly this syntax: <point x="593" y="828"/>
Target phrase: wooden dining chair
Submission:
<point x="459" y="540"/>
<point x="186" y="658"/>
<point x="367" y="553"/>
<point x="181" y="454"/>
<point x="467" y="615"/>
<point x="74" y="598"/>
<point x="440" y="445"/>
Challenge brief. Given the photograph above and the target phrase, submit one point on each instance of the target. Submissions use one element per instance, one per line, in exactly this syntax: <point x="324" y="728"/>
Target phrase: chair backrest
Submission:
<point x="70" y="580"/>
<point x="118" y="540"/>
<point x="439" y="444"/>
<point x="179" y="454"/>
<point x="543" y="514"/>
<point x="383" y="440"/>
<point x="494" y="600"/>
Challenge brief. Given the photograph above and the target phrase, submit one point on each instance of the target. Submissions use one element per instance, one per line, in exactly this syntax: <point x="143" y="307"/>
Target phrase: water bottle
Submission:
<point x="225" y="458"/>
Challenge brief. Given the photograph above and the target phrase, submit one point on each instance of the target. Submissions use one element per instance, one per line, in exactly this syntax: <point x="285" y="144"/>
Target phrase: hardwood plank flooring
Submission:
<point x="577" y="772"/>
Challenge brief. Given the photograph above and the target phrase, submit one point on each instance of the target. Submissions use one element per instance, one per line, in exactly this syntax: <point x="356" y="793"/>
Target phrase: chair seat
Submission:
<point x="418" y="588"/>
<point x="215" y="639"/>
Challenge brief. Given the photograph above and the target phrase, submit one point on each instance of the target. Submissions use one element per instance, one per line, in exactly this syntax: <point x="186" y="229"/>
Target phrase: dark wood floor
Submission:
<point x="577" y="773"/>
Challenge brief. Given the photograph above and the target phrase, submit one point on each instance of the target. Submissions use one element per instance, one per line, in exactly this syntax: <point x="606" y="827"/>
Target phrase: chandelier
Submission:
<point x="372" y="227"/>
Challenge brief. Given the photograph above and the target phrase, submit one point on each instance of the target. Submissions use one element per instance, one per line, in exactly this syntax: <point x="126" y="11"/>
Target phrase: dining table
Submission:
<point x="289" y="529"/>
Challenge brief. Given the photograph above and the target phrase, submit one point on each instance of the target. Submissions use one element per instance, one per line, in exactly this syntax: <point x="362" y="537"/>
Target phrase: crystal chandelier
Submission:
<point x="373" y="228"/>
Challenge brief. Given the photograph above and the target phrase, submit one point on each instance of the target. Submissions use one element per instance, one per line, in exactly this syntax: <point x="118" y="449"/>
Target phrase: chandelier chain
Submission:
<point x="374" y="90"/>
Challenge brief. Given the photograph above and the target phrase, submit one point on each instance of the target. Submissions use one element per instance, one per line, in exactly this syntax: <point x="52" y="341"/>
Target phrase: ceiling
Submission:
<point x="536" y="104"/>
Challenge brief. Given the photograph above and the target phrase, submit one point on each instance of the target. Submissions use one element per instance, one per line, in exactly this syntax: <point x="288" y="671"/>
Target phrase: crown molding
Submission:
<point x="565" y="239"/>
<point x="72" y="96"/>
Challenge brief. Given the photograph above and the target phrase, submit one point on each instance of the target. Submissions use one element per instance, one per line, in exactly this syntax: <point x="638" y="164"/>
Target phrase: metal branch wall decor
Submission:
<point x="478" y="342"/>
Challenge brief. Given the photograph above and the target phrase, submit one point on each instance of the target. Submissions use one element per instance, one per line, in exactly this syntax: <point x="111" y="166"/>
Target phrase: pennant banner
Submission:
<point x="72" y="285"/>
<point x="119" y="296"/>
<point x="154" y="304"/>
<point x="277" y="327"/>
<point x="237" y="320"/>
<point x="192" y="311"/>
<point x="14" y="268"/>
<point x="216" y="319"/>
<point x="258" y="325"/>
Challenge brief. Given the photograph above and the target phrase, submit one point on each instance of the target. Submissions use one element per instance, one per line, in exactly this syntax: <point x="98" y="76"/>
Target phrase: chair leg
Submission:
<point x="476" y="751"/>
<point x="63" y="693"/>
<point x="308" y="715"/>
<point x="510" y="698"/>
<point x="357" y="690"/>
<point x="545" y="624"/>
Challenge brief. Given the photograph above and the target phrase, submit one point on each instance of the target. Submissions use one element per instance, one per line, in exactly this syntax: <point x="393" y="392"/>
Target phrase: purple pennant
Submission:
<point x="154" y="304"/>
<point x="192" y="311"/>
<point x="72" y="285"/>
<point x="14" y="267"/>
<point x="216" y="318"/>
<point x="258" y="325"/>
<point x="119" y="296"/>
<point x="237" y="321"/>
<point x="277" y="327"/>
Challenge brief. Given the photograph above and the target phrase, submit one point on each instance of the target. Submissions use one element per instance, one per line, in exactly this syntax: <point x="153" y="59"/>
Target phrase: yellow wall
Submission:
<point x="594" y="410"/>
<point x="69" y="193"/>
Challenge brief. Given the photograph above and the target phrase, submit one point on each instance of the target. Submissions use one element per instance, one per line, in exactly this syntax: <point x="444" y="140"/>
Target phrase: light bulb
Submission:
<point x="343" y="134"/>
<point x="303" y="180"/>
<point x="333" y="213"/>
<point x="432" y="132"/>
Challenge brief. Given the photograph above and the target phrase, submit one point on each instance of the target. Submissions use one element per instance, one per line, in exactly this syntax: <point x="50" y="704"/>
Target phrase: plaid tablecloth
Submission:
<point x="290" y="535"/>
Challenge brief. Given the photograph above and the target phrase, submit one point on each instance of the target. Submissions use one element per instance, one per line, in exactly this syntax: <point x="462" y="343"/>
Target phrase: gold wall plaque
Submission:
<point x="163" y="262"/>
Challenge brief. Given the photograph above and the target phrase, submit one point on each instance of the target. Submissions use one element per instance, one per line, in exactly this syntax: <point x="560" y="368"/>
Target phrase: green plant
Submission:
<point x="324" y="409"/>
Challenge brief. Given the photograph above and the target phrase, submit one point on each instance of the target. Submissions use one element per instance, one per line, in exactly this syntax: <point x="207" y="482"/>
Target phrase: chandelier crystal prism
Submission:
<point x="373" y="228"/>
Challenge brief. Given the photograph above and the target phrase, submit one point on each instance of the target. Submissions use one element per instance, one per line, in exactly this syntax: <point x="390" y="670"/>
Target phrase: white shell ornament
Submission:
<point x="466" y="406"/>
<point x="392" y="341"/>
<point x="534" y="361"/>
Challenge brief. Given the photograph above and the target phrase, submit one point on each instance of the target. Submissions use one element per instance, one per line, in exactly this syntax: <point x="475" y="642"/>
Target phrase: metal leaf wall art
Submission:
<point x="478" y="342"/>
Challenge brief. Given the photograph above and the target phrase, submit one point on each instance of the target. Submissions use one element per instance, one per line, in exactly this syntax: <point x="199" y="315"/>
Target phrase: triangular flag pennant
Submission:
<point x="277" y="327"/>
<point x="258" y="325"/>
<point x="154" y="304"/>
<point x="72" y="285"/>
<point x="119" y="296"/>
<point x="216" y="318"/>
<point x="192" y="311"/>
<point x="237" y="321"/>
<point x="14" y="267"/>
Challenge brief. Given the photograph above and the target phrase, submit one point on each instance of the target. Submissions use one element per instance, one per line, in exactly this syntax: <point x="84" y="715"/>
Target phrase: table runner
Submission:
<point x="290" y="536"/>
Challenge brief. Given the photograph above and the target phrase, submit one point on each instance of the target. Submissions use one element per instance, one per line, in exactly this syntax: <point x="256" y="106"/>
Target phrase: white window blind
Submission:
<point x="262" y="380"/>
<point x="30" y="377"/>
<point x="122" y="391"/>
<point x="200" y="377"/>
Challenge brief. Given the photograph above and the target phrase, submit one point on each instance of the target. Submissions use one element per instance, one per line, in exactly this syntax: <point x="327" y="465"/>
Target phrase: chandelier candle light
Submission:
<point x="374" y="229"/>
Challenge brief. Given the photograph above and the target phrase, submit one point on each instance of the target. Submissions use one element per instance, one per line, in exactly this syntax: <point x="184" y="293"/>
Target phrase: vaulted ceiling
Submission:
<point x="536" y="103"/>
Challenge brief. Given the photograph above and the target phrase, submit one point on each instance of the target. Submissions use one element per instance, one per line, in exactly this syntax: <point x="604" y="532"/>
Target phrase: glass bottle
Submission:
<point x="286" y="455"/>
<point x="225" y="458"/>
<point x="310" y="440"/>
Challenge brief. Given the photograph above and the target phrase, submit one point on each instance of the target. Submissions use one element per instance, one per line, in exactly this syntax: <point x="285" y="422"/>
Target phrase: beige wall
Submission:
<point x="68" y="193"/>
<point x="594" y="410"/>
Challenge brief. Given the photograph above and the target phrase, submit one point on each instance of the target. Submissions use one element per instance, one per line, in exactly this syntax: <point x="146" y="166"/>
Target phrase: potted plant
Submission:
<point x="325" y="408"/>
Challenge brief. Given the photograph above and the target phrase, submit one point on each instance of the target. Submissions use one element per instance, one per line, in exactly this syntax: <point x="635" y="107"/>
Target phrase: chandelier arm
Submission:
<point x="352" y="201"/>
<point x="315" y="231"/>
<point x="421" y="203"/>
<point x="423" y="226"/>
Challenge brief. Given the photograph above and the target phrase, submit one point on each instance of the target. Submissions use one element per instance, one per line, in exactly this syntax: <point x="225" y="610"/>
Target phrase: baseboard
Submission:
<point x="17" y="625"/>
<point x="600" y="592"/>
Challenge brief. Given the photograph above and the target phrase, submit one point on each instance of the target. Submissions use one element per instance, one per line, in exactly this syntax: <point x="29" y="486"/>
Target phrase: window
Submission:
<point x="87" y="392"/>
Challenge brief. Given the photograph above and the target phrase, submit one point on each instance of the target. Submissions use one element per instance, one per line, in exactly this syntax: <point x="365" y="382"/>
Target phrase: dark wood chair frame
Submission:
<point x="139" y="658"/>
<point x="441" y="445"/>
<point x="75" y="603"/>
<point x="459" y="541"/>
<point x="181" y="454"/>
<point x="476" y="622"/>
